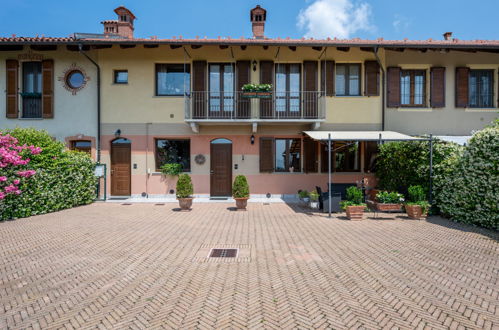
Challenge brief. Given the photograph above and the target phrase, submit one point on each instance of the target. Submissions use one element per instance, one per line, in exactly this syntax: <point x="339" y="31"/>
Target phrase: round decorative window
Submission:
<point x="74" y="79"/>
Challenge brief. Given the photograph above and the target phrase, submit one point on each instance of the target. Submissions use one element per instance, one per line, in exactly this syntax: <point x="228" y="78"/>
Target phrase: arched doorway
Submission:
<point x="221" y="167"/>
<point x="121" y="167"/>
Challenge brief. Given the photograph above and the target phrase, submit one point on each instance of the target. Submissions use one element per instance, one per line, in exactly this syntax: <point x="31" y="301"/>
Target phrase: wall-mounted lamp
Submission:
<point x="254" y="65"/>
<point x="252" y="139"/>
<point x="117" y="134"/>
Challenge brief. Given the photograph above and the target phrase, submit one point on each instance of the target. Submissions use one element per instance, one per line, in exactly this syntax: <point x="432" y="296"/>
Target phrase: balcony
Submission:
<point x="211" y="107"/>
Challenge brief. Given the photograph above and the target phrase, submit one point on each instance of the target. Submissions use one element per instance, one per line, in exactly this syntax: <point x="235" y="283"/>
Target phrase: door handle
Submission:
<point x="212" y="172"/>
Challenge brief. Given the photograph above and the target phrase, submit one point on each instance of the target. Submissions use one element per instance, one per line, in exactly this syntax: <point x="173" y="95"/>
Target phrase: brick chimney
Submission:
<point x="447" y="35"/>
<point x="258" y="15"/>
<point x="123" y="26"/>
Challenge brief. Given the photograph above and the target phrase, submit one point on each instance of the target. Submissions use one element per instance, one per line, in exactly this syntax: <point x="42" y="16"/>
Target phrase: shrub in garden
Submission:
<point x="403" y="164"/>
<point x="240" y="187"/>
<point x="184" y="186"/>
<point x="63" y="178"/>
<point x="417" y="196"/>
<point x="389" y="197"/>
<point x="469" y="190"/>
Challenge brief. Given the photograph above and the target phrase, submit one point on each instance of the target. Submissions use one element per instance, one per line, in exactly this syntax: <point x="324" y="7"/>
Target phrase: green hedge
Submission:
<point x="64" y="179"/>
<point x="469" y="191"/>
<point x="404" y="164"/>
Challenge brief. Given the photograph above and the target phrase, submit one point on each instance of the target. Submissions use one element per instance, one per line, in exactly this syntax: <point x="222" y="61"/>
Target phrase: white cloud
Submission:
<point x="335" y="18"/>
<point x="401" y="23"/>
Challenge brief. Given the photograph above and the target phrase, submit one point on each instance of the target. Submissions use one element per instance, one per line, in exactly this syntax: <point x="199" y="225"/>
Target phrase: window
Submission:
<point x="287" y="89"/>
<point x="347" y="79"/>
<point x="32" y="90"/>
<point x="370" y="156"/>
<point x="121" y="76"/>
<point x="173" y="79"/>
<point x="221" y="80"/>
<point x="287" y="155"/>
<point x="413" y="88"/>
<point x="481" y="83"/>
<point x="82" y="145"/>
<point x="173" y="151"/>
<point x="75" y="79"/>
<point x="345" y="157"/>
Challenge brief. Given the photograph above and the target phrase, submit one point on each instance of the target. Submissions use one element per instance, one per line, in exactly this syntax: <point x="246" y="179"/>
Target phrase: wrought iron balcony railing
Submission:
<point x="239" y="106"/>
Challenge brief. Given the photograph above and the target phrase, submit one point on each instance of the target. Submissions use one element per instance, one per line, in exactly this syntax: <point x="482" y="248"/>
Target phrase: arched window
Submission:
<point x="221" y="141"/>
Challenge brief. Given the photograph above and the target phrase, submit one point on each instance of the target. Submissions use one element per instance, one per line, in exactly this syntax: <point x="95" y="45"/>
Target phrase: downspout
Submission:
<point x="375" y="51"/>
<point x="80" y="48"/>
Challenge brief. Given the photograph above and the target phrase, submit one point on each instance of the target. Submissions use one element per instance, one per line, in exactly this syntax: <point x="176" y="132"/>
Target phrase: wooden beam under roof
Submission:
<point x="8" y="48"/>
<point x="367" y="49"/>
<point x="223" y="46"/>
<point x="75" y="48"/>
<point x="125" y="46"/>
<point x="43" y="47"/>
<point x="293" y="48"/>
<point x="343" y="49"/>
<point x="151" y="45"/>
<point x="175" y="46"/>
<point x="101" y="46"/>
<point x="196" y="46"/>
<point x="317" y="48"/>
<point x="243" y="47"/>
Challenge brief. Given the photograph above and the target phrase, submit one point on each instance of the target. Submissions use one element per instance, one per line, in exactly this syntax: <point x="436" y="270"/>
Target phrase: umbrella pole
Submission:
<point x="329" y="172"/>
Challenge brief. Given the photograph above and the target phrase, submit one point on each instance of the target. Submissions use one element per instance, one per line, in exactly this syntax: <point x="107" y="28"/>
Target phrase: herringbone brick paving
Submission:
<point x="135" y="266"/>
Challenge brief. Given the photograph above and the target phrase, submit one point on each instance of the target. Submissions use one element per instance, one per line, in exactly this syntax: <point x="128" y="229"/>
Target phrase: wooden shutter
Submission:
<point x="327" y="77"/>
<point x="199" y="89"/>
<point x="462" y="76"/>
<point x="266" y="77"/>
<point x="48" y="89"/>
<point x="266" y="154"/>
<point x="242" y="78"/>
<point x="310" y="161"/>
<point x="393" y="85"/>
<point x="437" y="87"/>
<point x="12" y="74"/>
<point x="310" y="89"/>
<point x="371" y="80"/>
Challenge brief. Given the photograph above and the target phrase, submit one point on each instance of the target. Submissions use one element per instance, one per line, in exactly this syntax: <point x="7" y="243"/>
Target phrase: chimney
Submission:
<point x="447" y="35"/>
<point x="258" y="15"/>
<point x="123" y="26"/>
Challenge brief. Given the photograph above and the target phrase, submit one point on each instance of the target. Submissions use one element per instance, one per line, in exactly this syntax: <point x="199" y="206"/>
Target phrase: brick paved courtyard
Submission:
<point x="145" y="266"/>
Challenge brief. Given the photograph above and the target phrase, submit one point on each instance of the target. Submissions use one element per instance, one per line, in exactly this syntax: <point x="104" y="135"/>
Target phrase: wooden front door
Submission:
<point x="221" y="168"/>
<point x="120" y="169"/>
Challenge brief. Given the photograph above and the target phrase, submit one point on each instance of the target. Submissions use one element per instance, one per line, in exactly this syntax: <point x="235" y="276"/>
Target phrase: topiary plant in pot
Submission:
<point x="240" y="192"/>
<point x="184" y="191"/>
<point x="417" y="207"/>
<point x="354" y="205"/>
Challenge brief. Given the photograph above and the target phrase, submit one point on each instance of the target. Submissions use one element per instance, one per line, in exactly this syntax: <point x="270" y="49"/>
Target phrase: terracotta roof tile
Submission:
<point x="355" y="42"/>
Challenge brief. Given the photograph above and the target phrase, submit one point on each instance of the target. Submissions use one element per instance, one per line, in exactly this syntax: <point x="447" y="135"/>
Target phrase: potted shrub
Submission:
<point x="314" y="199"/>
<point x="184" y="191"/>
<point x="240" y="192"/>
<point x="389" y="201"/>
<point x="304" y="195"/>
<point x="354" y="205"/>
<point x="417" y="207"/>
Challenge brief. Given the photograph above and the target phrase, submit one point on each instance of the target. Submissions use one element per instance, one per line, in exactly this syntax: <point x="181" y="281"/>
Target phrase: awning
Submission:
<point x="361" y="136"/>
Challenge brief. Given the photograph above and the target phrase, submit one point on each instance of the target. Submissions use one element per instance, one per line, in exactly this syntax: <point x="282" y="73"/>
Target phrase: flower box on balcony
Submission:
<point x="257" y="95"/>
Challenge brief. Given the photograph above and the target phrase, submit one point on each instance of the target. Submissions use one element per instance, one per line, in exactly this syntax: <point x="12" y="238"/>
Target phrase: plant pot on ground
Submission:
<point x="354" y="206"/>
<point x="417" y="207"/>
<point x="304" y="195"/>
<point x="240" y="192"/>
<point x="389" y="201"/>
<point x="184" y="191"/>
<point x="314" y="200"/>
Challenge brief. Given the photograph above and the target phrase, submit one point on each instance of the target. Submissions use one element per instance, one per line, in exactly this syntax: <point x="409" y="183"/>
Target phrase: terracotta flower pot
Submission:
<point x="415" y="212"/>
<point x="384" y="207"/>
<point x="185" y="203"/>
<point x="241" y="203"/>
<point x="355" y="212"/>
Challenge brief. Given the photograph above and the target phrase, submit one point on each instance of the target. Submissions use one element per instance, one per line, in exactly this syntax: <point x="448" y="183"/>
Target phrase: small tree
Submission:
<point x="184" y="186"/>
<point x="240" y="188"/>
<point x="354" y="198"/>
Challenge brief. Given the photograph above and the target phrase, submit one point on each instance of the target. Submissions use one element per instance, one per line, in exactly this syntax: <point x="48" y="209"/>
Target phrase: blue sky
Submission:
<point x="420" y="19"/>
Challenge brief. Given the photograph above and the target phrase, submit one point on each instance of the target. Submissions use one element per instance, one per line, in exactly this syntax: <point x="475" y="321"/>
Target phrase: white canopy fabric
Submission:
<point x="360" y="136"/>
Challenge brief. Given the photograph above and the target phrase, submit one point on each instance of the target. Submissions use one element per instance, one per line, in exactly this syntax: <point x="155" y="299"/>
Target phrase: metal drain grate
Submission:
<point x="223" y="253"/>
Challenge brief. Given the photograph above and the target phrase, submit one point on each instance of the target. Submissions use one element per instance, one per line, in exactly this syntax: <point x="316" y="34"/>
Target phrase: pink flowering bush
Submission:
<point x="13" y="162"/>
<point x="47" y="178"/>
